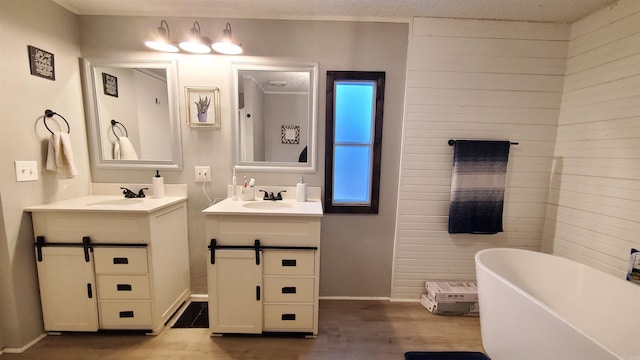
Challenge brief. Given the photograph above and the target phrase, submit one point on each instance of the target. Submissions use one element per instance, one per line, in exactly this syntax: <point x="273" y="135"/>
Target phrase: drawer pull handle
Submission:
<point x="124" y="287"/>
<point x="120" y="260"/>
<point x="258" y="296"/>
<point x="288" y="317"/>
<point x="289" y="262"/>
<point x="289" y="290"/>
<point x="89" y="291"/>
<point x="126" y="314"/>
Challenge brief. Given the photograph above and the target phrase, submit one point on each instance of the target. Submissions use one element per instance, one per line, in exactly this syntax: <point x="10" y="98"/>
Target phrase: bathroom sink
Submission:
<point x="117" y="202"/>
<point x="267" y="205"/>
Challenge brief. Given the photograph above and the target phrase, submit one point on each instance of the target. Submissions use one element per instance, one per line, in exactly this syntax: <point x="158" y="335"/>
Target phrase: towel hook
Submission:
<point x="49" y="113"/>
<point x="114" y="124"/>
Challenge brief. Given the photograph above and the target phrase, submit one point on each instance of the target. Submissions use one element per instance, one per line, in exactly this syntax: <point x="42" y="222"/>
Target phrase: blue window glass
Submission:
<point x="354" y="112"/>
<point x="352" y="175"/>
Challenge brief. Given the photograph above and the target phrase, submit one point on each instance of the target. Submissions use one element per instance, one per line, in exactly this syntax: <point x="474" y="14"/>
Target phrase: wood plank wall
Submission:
<point x="594" y="204"/>
<point x="471" y="79"/>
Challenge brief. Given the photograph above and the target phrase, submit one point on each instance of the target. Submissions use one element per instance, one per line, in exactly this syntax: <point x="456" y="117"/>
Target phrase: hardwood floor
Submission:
<point x="368" y="330"/>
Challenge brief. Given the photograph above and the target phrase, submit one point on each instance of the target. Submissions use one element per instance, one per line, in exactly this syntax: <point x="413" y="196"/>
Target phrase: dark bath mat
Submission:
<point x="444" y="355"/>
<point x="196" y="315"/>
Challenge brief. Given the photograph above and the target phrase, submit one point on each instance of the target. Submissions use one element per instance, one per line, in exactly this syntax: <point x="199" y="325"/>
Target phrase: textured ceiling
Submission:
<point x="563" y="11"/>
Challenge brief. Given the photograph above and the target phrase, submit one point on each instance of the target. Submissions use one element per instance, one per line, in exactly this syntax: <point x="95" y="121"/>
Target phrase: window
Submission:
<point x="353" y="148"/>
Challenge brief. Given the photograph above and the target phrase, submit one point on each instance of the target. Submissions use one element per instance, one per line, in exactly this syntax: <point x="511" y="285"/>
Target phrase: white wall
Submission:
<point x="593" y="214"/>
<point x="285" y="109"/>
<point x="23" y="99"/>
<point x="471" y="79"/>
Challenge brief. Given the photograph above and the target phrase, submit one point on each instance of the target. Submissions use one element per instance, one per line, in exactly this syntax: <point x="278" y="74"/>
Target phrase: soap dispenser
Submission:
<point x="157" y="184"/>
<point x="301" y="190"/>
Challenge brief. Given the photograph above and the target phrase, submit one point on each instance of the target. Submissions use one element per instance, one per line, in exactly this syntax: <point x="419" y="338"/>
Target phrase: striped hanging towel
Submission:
<point x="477" y="186"/>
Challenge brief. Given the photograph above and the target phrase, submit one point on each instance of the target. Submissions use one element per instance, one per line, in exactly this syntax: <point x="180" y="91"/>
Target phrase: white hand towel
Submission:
<point x="124" y="150"/>
<point x="60" y="156"/>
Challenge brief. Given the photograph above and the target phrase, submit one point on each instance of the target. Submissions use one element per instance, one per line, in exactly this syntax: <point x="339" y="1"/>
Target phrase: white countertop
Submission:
<point x="109" y="198"/>
<point x="108" y="203"/>
<point x="238" y="207"/>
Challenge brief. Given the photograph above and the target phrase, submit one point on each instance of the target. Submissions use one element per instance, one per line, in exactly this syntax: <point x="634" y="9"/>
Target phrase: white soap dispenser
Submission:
<point x="301" y="190"/>
<point x="157" y="184"/>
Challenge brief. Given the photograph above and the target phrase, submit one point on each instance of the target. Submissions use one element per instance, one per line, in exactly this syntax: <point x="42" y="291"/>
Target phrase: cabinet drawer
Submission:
<point x="288" y="317"/>
<point x="123" y="287"/>
<point x="122" y="315"/>
<point x="289" y="262"/>
<point x="288" y="289"/>
<point x="120" y="260"/>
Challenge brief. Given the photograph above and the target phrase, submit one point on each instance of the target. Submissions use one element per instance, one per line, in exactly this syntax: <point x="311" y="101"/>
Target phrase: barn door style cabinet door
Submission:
<point x="263" y="271"/>
<point x="100" y="267"/>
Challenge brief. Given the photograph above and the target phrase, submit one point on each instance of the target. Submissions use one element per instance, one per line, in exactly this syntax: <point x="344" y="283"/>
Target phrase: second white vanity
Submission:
<point x="107" y="262"/>
<point x="264" y="264"/>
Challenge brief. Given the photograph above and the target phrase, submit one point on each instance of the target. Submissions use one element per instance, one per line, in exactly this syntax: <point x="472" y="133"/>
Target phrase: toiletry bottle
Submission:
<point x="301" y="190"/>
<point x="234" y="189"/>
<point x="157" y="184"/>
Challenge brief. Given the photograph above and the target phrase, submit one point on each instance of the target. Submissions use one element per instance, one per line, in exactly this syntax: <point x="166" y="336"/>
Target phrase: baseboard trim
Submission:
<point x="404" y="300"/>
<point x="358" y="298"/>
<point x="24" y="348"/>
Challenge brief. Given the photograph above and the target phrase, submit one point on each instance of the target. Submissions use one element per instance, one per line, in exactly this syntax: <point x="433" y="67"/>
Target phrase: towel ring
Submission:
<point x="49" y="113"/>
<point x="115" y="124"/>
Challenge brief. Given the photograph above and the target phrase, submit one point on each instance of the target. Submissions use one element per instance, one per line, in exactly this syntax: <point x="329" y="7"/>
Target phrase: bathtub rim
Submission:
<point x="528" y="296"/>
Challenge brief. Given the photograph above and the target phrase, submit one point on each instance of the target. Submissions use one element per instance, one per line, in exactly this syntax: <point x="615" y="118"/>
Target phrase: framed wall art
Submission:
<point x="203" y="104"/>
<point x="41" y="63"/>
<point x="290" y="134"/>
<point x="110" y="85"/>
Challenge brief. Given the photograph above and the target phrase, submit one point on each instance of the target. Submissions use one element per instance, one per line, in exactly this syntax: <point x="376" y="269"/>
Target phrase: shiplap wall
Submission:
<point x="471" y="79"/>
<point x="594" y="204"/>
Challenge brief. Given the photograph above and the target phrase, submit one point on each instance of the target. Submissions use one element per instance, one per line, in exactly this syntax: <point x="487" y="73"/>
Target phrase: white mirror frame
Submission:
<point x="311" y="165"/>
<point x="91" y="112"/>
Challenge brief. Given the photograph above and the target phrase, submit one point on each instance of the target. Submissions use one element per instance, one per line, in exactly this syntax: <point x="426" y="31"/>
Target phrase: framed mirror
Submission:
<point x="132" y="114"/>
<point x="275" y="122"/>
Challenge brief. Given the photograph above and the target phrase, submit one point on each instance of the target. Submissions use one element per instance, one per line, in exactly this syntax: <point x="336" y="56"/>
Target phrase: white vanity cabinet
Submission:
<point x="263" y="269"/>
<point x="111" y="268"/>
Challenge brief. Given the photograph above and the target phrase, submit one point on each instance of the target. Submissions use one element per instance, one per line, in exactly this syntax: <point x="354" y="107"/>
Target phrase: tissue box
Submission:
<point x="452" y="291"/>
<point x="456" y="308"/>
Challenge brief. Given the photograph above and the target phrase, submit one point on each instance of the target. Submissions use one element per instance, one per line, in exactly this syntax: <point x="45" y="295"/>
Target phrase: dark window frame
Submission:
<point x="379" y="78"/>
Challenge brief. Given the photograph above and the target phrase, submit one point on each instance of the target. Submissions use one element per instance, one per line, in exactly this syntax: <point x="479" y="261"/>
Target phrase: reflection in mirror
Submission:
<point x="132" y="114"/>
<point x="276" y="116"/>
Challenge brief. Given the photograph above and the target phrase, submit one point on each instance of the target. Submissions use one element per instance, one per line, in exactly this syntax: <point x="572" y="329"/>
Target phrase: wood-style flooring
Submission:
<point x="367" y="330"/>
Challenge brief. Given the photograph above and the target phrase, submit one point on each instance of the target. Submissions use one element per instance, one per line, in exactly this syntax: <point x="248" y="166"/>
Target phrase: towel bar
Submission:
<point x="451" y="142"/>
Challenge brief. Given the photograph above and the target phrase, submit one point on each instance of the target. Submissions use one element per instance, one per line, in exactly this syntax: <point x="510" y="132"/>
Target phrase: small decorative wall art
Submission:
<point x="290" y="134"/>
<point x="110" y="85"/>
<point x="203" y="104"/>
<point x="41" y="63"/>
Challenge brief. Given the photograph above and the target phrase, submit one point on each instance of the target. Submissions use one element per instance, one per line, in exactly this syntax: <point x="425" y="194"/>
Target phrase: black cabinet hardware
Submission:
<point x="89" y="291"/>
<point x="120" y="261"/>
<point x="289" y="290"/>
<point x="288" y="317"/>
<point x="258" y="293"/>
<point x="124" y="287"/>
<point x="126" y="314"/>
<point x="289" y="262"/>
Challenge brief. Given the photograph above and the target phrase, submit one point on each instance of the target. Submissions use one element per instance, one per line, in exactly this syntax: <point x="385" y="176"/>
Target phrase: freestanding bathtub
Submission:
<point x="536" y="306"/>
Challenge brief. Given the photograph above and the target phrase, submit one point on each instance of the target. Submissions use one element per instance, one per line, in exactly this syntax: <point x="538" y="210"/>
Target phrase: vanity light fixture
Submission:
<point x="196" y="43"/>
<point x="226" y="45"/>
<point x="161" y="41"/>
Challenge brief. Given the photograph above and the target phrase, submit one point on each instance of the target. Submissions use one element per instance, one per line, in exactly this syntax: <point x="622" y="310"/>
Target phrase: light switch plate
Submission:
<point x="26" y="170"/>
<point x="203" y="173"/>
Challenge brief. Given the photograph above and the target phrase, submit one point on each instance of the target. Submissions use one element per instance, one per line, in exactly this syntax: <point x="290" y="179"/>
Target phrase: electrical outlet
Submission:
<point x="203" y="173"/>
<point x="26" y="170"/>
